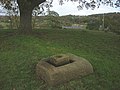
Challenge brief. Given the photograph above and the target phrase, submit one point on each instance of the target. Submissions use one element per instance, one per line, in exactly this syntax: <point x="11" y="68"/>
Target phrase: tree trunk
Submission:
<point x="25" y="20"/>
<point x="26" y="7"/>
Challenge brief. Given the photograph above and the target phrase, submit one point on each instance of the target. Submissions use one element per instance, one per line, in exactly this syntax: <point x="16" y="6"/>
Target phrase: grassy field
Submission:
<point x="19" y="55"/>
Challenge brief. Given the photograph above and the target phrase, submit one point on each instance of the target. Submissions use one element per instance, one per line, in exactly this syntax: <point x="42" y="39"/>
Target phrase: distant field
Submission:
<point x="19" y="55"/>
<point x="4" y="25"/>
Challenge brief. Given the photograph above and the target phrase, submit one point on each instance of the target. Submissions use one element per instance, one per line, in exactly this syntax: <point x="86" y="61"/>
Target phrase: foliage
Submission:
<point x="26" y="7"/>
<point x="53" y="13"/>
<point x="94" y="3"/>
<point x="94" y="23"/>
<point x="53" y="22"/>
<point x="12" y="13"/>
<point x="111" y="20"/>
<point x="1" y="26"/>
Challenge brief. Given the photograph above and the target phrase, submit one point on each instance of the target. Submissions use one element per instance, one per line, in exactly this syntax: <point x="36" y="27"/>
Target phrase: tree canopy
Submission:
<point x="26" y="7"/>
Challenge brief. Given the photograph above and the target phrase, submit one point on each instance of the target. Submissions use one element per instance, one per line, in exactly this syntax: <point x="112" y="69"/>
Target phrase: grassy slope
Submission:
<point x="19" y="54"/>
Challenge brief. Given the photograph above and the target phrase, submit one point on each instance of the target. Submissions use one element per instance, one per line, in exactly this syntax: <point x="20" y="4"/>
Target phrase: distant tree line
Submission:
<point x="53" y="20"/>
<point x="111" y="22"/>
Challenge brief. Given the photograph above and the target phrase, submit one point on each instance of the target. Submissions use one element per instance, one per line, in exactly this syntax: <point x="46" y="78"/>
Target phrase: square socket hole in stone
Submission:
<point x="70" y="61"/>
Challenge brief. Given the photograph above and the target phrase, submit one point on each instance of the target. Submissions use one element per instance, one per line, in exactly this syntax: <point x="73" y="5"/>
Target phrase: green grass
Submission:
<point x="19" y="55"/>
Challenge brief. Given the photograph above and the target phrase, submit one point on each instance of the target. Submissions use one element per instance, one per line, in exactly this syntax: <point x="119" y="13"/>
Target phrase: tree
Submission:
<point x="93" y="23"/>
<point x="26" y="7"/>
<point x="12" y="12"/>
<point x="53" y="19"/>
<point x="53" y="13"/>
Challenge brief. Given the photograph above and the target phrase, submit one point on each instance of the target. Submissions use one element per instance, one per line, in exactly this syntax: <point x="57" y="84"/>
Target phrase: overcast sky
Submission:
<point x="71" y="8"/>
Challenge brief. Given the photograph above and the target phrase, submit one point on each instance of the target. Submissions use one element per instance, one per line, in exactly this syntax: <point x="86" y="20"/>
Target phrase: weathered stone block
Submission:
<point x="58" y="60"/>
<point x="54" y="73"/>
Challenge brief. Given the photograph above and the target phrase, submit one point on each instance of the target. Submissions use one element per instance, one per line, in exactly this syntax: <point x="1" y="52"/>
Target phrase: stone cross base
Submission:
<point x="62" y="68"/>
